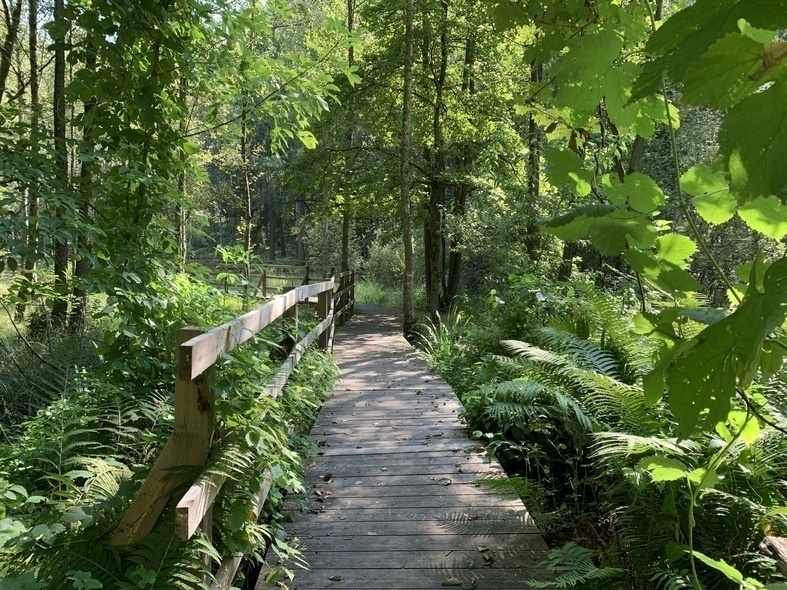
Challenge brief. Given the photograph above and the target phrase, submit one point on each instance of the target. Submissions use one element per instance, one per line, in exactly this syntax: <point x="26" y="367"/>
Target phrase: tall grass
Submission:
<point x="376" y="294"/>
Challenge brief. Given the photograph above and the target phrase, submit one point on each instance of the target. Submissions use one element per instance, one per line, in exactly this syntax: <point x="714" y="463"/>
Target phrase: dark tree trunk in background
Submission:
<point x="31" y="206"/>
<point x="348" y="141"/>
<point x="567" y="263"/>
<point x="299" y="245"/>
<point x="244" y="162"/>
<point x="462" y="191"/>
<point x="79" y="306"/>
<point x="408" y="311"/>
<point x="60" y="309"/>
<point x="12" y="19"/>
<point x="271" y="232"/>
<point x="533" y="237"/>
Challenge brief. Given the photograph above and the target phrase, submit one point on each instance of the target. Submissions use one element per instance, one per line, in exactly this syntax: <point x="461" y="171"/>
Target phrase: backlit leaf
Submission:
<point x="702" y="376"/>
<point x="753" y="140"/>
<point x="664" y="468"/>
<point x="720" y="78"/>
<point x="766" y="215"/>
<point x="565" y="167"/>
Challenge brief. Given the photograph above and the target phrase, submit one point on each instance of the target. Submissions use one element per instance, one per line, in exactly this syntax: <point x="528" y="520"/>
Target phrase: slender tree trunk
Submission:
<point x="533" y="237"/>
<point x="272" y="231"/>
<point x="29" y="263"/>
<point x="404" y="174"/>
<point x="13" y="16"/>
<point x="183" y="252"/>
<point x="434" y="223"/>
<point x="244" y="159"/>
<point x="567" y="263"/>
<point x="79" y="306"/>
<point x="462" y="191"/>
<point x="299" y="246"/>
<point x="348" y="141"/>
<point x="60" y="309"/>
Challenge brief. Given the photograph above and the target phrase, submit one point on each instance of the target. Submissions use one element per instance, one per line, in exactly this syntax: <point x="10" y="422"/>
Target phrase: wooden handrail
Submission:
<point x="190" y="443"/>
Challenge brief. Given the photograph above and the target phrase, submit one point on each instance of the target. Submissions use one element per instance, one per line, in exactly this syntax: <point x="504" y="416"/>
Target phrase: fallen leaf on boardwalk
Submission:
<point x="488" y="559"/>
<point x="322" y="443"/>
<point x="452" y="582"/>
<point x="336" y="578"/>
<point x="483" y="548"/>
<point x="447" y="482"/>
<point x="327" y="477"/>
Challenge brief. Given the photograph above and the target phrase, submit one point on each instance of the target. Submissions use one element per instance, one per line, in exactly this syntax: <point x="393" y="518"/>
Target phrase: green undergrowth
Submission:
<point x="74" y="456"/>
<point x="551" y="381"/>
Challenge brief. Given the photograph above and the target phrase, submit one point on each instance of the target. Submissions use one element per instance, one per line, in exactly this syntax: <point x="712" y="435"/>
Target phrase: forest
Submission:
<point x="579" y="208"/>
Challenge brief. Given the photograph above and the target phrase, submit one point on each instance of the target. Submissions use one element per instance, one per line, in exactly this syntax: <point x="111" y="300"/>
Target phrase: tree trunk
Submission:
<point x="348" y="141"/>
<point x="60" y="308"/>
<point x="567" y="263"/>
<point x="183" y="251"/>
<point x="404" y="174"/>
<point x="79" y="306"/>
<point x="29" y="263"/>
<point x="299" y="246"/>
<point x="434" y="221"/>
<point x="12" y="19"/>
<point x="244" y="160"/>
<point x="272" y="231"/>
<point x="533" y="235"/>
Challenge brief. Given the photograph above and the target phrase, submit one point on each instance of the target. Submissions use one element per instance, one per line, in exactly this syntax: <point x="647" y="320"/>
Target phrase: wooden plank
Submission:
<point x="413" y="515"/>
<point x="195" y="504"/>
<point x="201" y="352"/>
<point x="408" y="579"/>
<point x="226" y="572"/>
<point x="378" y="507"/>
<point x="517" y="542"/>
<point x="486" y="529"/>
<point x="522" y="559"/>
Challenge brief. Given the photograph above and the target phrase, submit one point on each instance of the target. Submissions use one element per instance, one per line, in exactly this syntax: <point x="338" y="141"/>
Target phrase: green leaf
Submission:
<point x="704" y="478"/>
<point x="663" y="468"/>
<point x="713" y="200"/>
<point x="308" y="139"/>
<point x="675" y="248"/>
<point x="720" y="566"/>
<point x="753" y="140"/>
<point x="582" y="71"/>
<point x="641" y="192"/>
<point x="611" y="229"/>
<point x="576" y="224"/>
<point x="721" y="77"/>
<point x="685" y="37"/>
<point x="565" y="167"/>
<point x="614" y="232"/>
<point x="189" y="147"/>
<point x="766" y="215"/>
<point x="703" y="376"/>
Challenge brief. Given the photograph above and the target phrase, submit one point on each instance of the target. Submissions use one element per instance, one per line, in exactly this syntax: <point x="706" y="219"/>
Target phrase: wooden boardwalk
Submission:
<point x="393" y="499"/>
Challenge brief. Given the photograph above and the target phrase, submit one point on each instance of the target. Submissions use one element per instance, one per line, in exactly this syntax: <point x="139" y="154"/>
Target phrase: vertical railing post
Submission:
<point x="265" y="283"/>
<point x="188" y="446"/>
<point x="324" y="309"/>
<point x="306" y="278"/>
<point x="352" y="292"/>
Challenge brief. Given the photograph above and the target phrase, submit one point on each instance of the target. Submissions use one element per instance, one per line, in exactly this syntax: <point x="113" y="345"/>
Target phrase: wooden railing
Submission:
<point x="190" y="444"/>
<point x="274" y="278"/>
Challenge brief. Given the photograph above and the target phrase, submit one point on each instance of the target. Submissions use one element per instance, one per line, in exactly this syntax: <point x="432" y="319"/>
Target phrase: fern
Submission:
<point x="573" y="565"/>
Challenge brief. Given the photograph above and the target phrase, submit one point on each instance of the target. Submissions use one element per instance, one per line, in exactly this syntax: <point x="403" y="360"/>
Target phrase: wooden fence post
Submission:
<point x="324" y="309"/>
<point x="352" y="292"/>
<point x="265" y="283"/>
<point x="187" y="447"/>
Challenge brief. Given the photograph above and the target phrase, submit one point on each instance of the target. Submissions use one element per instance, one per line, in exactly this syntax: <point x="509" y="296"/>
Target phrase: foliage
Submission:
<point x="69" y="473"/>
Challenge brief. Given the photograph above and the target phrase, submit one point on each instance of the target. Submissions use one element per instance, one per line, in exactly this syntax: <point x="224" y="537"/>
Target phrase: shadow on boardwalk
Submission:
<point x="393" y="499"/>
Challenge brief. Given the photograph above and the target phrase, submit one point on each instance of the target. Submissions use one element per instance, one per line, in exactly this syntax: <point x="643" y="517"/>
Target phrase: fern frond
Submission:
<point x="619" y="444"/>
